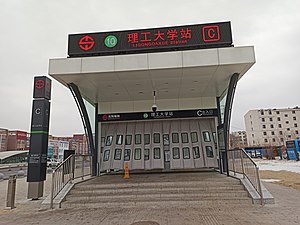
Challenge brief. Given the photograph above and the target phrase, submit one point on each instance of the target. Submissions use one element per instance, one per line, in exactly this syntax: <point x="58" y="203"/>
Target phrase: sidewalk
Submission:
<point x="285" y="211"/>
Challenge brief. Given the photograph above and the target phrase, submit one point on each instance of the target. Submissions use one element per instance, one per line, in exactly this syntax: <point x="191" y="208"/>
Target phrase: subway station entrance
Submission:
<point x="156" y="98"/>
<point x="166" y="145"/>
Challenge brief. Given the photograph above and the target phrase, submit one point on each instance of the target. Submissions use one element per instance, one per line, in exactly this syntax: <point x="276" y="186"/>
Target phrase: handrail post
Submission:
<point x="73" y="167"/>
<point x="259" y="186"/>
<point x="242" y="162"/>
<point x="70" y="170"/>
<point x="91" y="158"/>
<point x="52" y="191"/>
<point x="62" y="174"/>
<point x="233" y="161"/>
<point x="82" y="167"/>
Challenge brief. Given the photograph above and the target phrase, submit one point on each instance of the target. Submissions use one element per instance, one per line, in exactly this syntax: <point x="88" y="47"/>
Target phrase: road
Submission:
<point x="12" y="169"/>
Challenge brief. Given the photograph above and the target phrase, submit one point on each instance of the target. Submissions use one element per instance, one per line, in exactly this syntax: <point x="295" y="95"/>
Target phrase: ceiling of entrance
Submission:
<point x="180" y="74"/>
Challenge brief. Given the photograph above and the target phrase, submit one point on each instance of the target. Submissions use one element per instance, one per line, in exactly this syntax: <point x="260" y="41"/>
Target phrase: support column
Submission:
<point x="95" y="159"/>
<point x="223" y="129"/>
<point x="86" y="124"/>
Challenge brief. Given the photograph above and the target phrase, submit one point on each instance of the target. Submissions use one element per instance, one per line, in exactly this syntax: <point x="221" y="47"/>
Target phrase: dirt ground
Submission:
<point x="288" y="179"/>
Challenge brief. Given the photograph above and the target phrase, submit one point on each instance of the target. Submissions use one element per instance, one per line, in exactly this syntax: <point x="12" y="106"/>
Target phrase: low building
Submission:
<point x="3" y="139"/>
<point x="17" y="140"/>
<point x="79" y="144"/>
<point x="272" y="127"/>
<point x="13" y="156"/>
<point x="57" y="146"/>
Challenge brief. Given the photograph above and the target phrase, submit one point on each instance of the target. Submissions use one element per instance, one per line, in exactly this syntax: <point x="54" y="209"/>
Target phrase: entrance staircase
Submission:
<point x="160" y="189"/>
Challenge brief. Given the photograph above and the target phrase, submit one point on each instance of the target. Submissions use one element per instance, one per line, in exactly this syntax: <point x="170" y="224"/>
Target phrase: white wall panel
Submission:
<point x="206" y="57"/>
<point x="131" y="62"/>
<point x="165" y="60"/>
<point x="236" y="55"/>
<point x="65" y="66"/>
<point x="98" y="64"/>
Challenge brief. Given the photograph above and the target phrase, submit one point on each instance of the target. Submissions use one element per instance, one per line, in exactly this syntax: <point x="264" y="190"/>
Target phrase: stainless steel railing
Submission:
<point x="75" y="166"/>
<point x="83" y="166"/>
<point x="240" y="162"/>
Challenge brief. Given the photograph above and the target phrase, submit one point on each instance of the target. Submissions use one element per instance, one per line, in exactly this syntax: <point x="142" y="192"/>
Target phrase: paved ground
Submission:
<point x="285" y="211"/>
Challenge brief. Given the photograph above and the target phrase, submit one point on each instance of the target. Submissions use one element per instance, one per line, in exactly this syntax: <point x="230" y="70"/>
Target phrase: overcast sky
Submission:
<point x="32" y="31"/>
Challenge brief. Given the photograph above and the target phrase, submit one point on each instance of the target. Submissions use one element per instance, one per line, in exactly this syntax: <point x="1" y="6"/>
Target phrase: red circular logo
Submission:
<point x="86" y="43"/>
<point x="39" y="84"/>
<point x="104" y="117"/>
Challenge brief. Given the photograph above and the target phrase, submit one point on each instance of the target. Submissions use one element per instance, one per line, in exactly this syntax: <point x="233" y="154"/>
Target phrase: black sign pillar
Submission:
<point x="37" y="163"/>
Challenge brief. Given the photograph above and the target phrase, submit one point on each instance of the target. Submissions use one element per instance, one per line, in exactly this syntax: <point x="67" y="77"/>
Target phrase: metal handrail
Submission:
<point x="240" y="162"/>
<point x="67" y="171"/>
<point x="62" y="175"/>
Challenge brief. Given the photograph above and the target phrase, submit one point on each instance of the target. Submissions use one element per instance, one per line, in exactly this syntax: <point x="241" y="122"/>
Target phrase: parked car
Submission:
<point x="52" y="163"/>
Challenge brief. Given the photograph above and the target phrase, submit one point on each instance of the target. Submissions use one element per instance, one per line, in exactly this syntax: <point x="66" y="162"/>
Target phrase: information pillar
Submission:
<point x="37" y="163"/>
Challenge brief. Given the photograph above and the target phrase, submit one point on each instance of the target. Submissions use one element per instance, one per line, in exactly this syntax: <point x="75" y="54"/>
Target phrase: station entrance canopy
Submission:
<point x="189" y="67"/>
<point x="117" y="76"/>
<point x="174" y="75"/>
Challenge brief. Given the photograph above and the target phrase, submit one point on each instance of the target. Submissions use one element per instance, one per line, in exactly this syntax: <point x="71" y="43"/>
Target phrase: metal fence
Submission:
<point x="83" y="166"/>
<point x="75" y="166"/>
<point x="240" y="162"/>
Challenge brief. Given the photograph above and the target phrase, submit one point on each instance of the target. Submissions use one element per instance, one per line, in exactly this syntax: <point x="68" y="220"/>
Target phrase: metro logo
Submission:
<point x="39" y="84"/>
<point x="211" y="33"/>
<point x="86" y="43"/>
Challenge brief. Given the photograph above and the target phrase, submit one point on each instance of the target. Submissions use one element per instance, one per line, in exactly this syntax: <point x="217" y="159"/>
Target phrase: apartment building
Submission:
<point x="238" y="139"/>
<point x="272" y="127"/>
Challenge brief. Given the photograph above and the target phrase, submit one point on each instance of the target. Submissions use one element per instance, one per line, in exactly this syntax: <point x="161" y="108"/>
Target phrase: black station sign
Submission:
<point x="40" y="115"/>
<point x="186" y="37"/>
<point x="42" y="87"/>
<point x="158" y="115"/>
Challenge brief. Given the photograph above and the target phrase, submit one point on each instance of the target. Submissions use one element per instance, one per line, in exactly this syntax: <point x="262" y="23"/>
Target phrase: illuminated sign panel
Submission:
<point x="158" y="115"/>
<point x="187" y="37"/>
<point x="42" y="87"/>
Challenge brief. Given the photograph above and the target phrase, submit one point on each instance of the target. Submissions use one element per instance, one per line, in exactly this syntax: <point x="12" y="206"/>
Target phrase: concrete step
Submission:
<point x="117" y="179"/>
<point x="160" y="184"/>
<point x="121" y="180"/>
<point x="165" y="202"/>
<point x="158" y="190"/>
<point x="207" y="191"/>
<point x="127" y="188"/>
<point x="145" y="196"/>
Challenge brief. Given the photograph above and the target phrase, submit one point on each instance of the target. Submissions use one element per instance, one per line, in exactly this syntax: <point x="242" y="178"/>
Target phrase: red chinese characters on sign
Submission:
<point x="186" y="33"/>
<point x="174" y="36"/>
<point x="133" y="38"/>
<point x="159" y="36"/>
<point x="145" y="37"/>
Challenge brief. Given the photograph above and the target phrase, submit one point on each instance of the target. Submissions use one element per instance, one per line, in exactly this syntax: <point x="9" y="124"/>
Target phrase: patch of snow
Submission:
<point x="278" y="165"/>
<point x="270" y="180"/>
